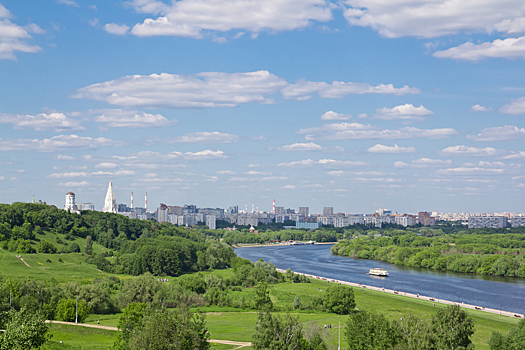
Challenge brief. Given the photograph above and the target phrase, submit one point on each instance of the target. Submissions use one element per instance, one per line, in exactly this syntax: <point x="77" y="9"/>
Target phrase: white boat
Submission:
<point x="378" y="271"/>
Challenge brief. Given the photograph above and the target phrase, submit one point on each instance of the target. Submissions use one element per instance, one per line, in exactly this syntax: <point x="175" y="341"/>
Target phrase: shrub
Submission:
<point x="46" y="247"/>
<point x="66" y="310"/>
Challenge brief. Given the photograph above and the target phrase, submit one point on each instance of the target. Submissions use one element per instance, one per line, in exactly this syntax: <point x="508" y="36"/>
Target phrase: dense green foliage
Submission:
<point x="449" y="329"/>
<point x="24" y="330"/>
<point x="495" y="254"/>
<point x="339" y="299"/>
<point x="67" y="310"/>
<point x="245" y="236"/>
<point x="514" y="340"/>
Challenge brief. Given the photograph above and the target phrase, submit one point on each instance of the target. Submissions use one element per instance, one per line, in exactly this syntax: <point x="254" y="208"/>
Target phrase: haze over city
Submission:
<point x="353" y="105"/>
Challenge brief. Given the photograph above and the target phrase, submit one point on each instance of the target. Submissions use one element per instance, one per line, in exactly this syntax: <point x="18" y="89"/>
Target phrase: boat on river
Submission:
<point x="378" y="271"/>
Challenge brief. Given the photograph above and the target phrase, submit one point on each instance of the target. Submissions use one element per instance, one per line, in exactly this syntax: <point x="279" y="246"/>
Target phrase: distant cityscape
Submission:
<point x="189" y="215"/>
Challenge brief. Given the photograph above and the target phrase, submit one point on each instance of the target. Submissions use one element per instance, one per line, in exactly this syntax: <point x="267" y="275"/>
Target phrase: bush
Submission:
<point x="339" y="299"/>
<point x="66" y="310"/>
<point x="24" y="247"/>
<point x="74" y="248"/>
<point x="46" y="247"/>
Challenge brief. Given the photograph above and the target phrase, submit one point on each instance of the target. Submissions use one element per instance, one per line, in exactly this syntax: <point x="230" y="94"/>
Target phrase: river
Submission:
<point x="500" y="293"/>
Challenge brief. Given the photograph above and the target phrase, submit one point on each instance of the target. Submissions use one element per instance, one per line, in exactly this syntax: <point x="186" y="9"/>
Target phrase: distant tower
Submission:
<point x="273" y="210"/>
<point x="110" y="204"/>
<point x="131" y="200"/>
<point x="252" y="209"/>
<point x="146" y="202"/>
<point x="70" y="202"/>
<point x="246" y="209"/>
<point x="33" y="199"/>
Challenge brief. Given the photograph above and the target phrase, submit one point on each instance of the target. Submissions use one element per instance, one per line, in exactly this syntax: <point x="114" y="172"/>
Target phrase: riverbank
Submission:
<point x="410" y="295"/>
<point x="287" y="244"/>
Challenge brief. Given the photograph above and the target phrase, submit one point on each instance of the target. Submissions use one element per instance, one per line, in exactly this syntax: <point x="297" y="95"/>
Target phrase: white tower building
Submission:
<point x="110" y="204"/>
<point x="70" y="202"/>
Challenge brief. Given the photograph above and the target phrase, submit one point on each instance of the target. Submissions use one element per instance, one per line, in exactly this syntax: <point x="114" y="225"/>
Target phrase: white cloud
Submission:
<point x="272" y="178"/>
<point x="310" y="146"/>
<point x="390" y="149"/>
<point x="15" y="38"/>
<point x="403" y="112"/>
<point x="253" y="165"/>
<point x="67" y="175"/>
<point x="2" y="178"/>
<point x="473" y="151"/>
<point x="424" y="162"/>
<point x="124" y="173"/>
<point x="116" y="29"/>
<point x="303" y="90"/>
<point x="74" y="184"/>
<point x="515" y="155"/>
<point x="106" y="165"/>
<point x="376" y="179"/>
<point x="500" y="133"/>
<point x="204" y="137"/>
<point x="93" y="7"/>
<point x="67" y="2"/>
<point x="480" y="108"/>
<point x="60" y="142"/>
<point x="400" y="164"/>
<point x="215" y="89"/>
<point x="350" y="131"/>
<point x="226" y="172"/>
<point x="288" y="187"/>
<point x="469" y="171"/>
<point x="93" y="22"/>
<point x="521" y="185"/>
<point x="434" y="18"/>
<point x="95" y="173"/>
<point x="331" y="115"/>
<point x="516" y="106"/>
<point x="121" y="118"/>
<point x="63" y="157"/>
<point x="207" y="154"/>
<point x="322" y="162"/>
<point x="56" y="121"/>
<point x="506" y="48"/>
<point x="251" y="172"/>
<point x="194" y="19"/>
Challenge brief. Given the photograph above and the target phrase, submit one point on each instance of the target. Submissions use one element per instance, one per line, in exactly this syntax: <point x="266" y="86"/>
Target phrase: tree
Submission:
<point x="262" y="298"/>
<point x="339" y="299"/>
<point x="66" y="310"/>
<point x="130" y="320"/>
<point x="24" y="247"/>
<point x="370" y="331"/>
<point x="274" y="332"/>
<point x="453" y="327"/>
<point x="296" y="302"/>
<point x="515" y="340"/>
<point x="89" y="246"/>
<point x="24" y="330"/>
<point x="46" y="247"/>
<point x="74" y="248"/>
<point x="163" y="330"/>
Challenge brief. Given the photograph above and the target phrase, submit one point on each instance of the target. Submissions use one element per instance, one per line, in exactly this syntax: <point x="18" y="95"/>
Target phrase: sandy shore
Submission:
<point x="422" y="297"/>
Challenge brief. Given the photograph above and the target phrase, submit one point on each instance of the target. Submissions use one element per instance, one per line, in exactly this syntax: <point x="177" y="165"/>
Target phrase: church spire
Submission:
<point x="110" y="204"/>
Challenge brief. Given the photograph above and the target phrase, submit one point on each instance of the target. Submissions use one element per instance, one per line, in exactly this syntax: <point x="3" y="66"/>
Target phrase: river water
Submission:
<point x="500" y="293"/>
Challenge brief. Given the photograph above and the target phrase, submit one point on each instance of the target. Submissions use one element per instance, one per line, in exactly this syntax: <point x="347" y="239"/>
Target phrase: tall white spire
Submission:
<point x="110" y="204"/>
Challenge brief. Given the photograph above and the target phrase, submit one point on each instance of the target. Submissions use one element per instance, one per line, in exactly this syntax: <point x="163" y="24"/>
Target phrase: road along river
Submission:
<point x="506" y="294"/>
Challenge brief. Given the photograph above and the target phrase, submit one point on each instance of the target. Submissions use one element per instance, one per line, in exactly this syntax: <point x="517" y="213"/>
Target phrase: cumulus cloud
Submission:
<point x="480" y="108"/>
<point x="310" y="146"/>
<point x="472" y="151"/>
<point x="425" y="162"/>
<point x="68" y="3"/>
<point x="56" y="121"/>
<point x="215" y="89"/>
<point x="515" y="155"/>
<point x="251" y="172"/>
<point x="469" y="171"/>
<point x="390" y="149"/>
<point x="322" y="162"/>
<point x="400" y="164"/>
<point x="500" y="133"/>
<point x="63" y="157"/>
<point x="403" y="112"/>
<point x="95" y="173"/>
<point x="516" y="107"/>
<point x="506" y="48"/>
<point x="226" y="172"/>
<point x="288" y="187"/>
<point x="204" y="137"/>
<point x="116" y="29"/>
<point x="106" y="165"/>
<point x="303" y="90"/>
<point x="331" y="115"/>
<point x="434" y="18"/>
<point x="55" y="143"/>
<point x="15" y="38"/>
<point x="350" y="131"/>
<point x="195" y="19"/>
<point x="121" y="118"/>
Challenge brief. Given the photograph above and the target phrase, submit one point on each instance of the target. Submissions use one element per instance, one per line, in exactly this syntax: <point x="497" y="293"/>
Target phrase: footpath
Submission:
<point x="417" y="296"/>
<point x="239" y="344"/>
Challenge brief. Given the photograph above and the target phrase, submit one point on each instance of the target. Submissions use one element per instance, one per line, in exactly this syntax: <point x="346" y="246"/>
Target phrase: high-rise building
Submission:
<point x="304" y="211"/>
<point x="279" y="210"/>
<point x="110" y="203"/>
<point x="162" y="213"/>
<point x="86" y="206"/>
<point x="234" y="209"/>
<point x="425" y="219"/>
<point x="211" y="221"/>
<point x="328" y="211"/>
<point x="487" y="221"/>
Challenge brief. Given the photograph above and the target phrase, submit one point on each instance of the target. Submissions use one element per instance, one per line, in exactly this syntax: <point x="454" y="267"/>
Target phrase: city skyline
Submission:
<point x="354" y="105"/>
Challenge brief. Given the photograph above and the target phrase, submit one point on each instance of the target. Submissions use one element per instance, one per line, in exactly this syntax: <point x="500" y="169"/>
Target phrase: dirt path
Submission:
<point x="23" y="261"/>
<point x="239" y="344"/>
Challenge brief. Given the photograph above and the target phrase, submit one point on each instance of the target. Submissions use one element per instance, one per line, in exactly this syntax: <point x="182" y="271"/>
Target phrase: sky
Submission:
<point x="400" y="104"/>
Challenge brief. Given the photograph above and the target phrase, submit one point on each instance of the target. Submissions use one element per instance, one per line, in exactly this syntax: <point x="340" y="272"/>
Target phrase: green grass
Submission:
<point x="76" y="337"/>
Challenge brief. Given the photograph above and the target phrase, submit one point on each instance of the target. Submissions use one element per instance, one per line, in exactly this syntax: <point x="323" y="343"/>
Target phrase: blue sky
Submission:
<point x="409" y="105"/>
